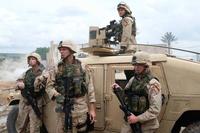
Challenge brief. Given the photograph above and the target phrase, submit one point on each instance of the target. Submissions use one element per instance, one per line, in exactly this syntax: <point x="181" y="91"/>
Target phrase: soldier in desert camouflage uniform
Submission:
<point x="26" y="83"/>
<point x="127" y="39"/>
<point x="81" y="90"/>
<point x="142" y="96"/>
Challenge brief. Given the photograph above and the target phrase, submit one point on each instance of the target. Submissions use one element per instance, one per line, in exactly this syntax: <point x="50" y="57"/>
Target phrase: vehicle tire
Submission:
<point x="192" y="128"/>
<point x="11" y="119"/>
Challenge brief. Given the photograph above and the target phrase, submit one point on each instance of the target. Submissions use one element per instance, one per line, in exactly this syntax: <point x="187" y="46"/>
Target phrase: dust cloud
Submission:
<point x="11" y="69"/>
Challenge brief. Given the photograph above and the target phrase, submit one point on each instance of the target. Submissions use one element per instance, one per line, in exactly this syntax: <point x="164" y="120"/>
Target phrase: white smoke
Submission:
<point x="11" y="69"/>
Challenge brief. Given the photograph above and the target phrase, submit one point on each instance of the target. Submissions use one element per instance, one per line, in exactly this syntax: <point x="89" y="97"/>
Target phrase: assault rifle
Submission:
<point x="113" y="32"/>
<point x="68" y="104"/>
<point x="26" y="93"/>
<point x="136" y="128"/>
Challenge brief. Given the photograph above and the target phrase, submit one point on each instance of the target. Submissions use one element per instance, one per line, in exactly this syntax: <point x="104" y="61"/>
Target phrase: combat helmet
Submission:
<point x="68" y="44"/>
<point x="141" y="58"/>
<point x="124" y="6"/>
<point x="35" y="55"/>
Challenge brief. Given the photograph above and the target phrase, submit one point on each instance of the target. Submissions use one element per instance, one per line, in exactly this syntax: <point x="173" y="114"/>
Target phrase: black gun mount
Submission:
<point x="113" y="32"/>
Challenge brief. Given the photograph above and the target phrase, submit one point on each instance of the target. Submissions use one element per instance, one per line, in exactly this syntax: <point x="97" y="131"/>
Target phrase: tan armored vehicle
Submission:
<point x="180" y="80"/>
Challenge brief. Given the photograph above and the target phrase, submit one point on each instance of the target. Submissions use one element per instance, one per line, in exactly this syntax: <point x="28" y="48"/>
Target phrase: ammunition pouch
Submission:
<point x="77" y="88"/>
<point x="60" y="101"/>
<point x="137" y="104"/>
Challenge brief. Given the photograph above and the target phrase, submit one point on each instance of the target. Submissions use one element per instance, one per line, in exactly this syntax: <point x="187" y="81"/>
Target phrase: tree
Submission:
<point x="168" y="38"/>
<point x="42" y="51"/>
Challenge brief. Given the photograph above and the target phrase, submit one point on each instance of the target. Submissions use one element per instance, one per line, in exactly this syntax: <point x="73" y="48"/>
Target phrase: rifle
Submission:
<point x="33" y="102"/>
<point x="113" y="32"/>
<point x="136" y="128"/>
<point x="68" y="103"/>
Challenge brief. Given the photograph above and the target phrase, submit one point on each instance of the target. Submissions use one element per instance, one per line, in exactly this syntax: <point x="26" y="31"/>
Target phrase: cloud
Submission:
<point x="25" y="25"/>
<point x="11" y="69"/>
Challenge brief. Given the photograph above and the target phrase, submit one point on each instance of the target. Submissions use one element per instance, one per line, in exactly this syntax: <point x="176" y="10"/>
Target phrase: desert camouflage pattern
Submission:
<point x="128" y="33"/>
<point x="80" y="105"/>
<point x="148" y="119"/>
<point x="26" y="114"/>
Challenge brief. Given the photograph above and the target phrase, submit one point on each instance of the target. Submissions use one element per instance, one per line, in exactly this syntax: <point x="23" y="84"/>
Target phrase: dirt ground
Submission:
<point x="5" y="89"/>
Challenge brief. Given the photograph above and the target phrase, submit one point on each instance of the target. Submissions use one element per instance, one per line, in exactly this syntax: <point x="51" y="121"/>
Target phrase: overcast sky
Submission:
<point x="27" y="24"/>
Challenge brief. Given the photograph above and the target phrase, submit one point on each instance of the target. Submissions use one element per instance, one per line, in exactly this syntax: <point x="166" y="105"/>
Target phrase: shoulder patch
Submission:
<point x="155" y="87"/>
<point x="126" y="21"/>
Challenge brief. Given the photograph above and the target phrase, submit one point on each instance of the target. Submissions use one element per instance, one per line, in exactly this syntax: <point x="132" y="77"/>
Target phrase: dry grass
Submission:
<point x="6" y="85"/>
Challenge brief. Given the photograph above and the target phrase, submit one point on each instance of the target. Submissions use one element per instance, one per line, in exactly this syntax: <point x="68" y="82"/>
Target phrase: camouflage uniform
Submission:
<point x="149" y="104"/>
<point x="81" y="91"/>
<point x="128" y="28"/>
<point x="143" y="97"/>
<point x="26" y="113"/>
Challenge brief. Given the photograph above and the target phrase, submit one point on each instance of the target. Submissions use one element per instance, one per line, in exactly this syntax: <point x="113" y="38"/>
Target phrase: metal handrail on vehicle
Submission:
<point x="178" y="49"/>
<point x="172" y="48"/>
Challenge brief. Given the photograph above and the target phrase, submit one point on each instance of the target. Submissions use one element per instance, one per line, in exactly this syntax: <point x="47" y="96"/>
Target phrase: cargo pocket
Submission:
<point x="82" y="125"/>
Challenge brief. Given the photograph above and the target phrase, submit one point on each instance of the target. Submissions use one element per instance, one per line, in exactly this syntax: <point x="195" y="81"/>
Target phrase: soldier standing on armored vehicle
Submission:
<point x="127" y="39"/>
<point x="142" y="96"/>
<point x="72" y="91"/>
<point x="26" y="84"/>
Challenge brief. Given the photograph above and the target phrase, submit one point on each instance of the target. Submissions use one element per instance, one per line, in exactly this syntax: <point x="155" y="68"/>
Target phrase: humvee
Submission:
<point x="180" y="80"/>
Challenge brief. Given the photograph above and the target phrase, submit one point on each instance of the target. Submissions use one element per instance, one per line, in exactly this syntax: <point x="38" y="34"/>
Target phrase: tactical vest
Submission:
<point x="133" y="28"/>
<point x="29" y="82"/>
<point x="136" y="97"/>
<point x="71" y="77"/>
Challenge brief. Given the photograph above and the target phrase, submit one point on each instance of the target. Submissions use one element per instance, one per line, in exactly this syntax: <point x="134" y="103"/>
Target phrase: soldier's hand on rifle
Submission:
<point x="132" y="119"/>
<point x="20" y="85"/>
<point x="115" y="85"/>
